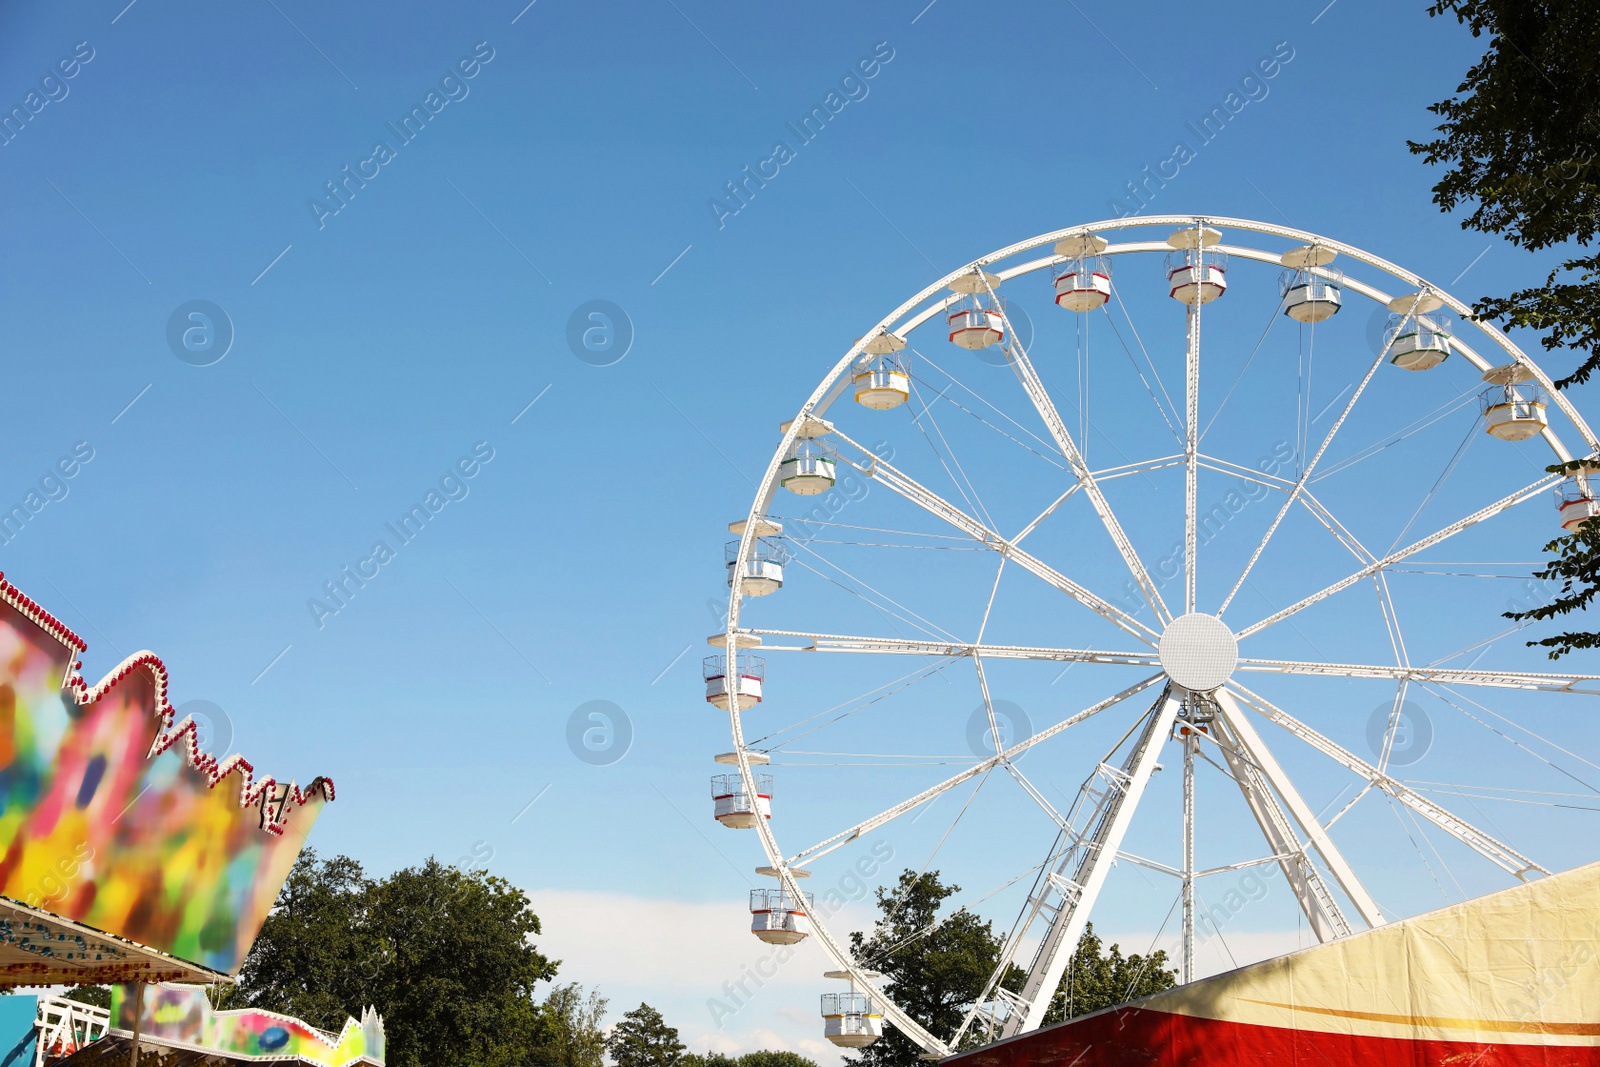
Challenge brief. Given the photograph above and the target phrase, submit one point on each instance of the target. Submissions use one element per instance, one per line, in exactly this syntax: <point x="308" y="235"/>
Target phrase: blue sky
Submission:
<point x="574" y="153"/>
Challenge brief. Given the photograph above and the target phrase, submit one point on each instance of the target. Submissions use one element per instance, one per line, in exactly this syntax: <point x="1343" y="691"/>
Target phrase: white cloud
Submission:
<point x="698" y="964"/>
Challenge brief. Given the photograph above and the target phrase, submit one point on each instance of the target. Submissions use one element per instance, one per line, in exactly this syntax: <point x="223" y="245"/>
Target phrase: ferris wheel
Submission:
<point x="929" y="517"/>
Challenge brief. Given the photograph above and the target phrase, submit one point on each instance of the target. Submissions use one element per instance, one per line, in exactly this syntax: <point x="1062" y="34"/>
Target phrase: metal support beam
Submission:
<point x="1081" y="874"/>
<point x="1526" y="493"/>
<point x="844" y="837"/>
<point x="1316" y="900"/>
<point x="1261" y="756"/>
<point x="1190" y="742"/>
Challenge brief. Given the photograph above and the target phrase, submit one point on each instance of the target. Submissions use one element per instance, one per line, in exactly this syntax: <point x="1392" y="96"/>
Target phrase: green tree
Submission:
<point x="570" y="1032"/>
<point x="643" y="1039"/>
<point x="98" y="996"/>
<point x="314" y="954"/>
<point x="710" y="1059"/>
<point x="765" y="1057"/>
<point x="1096" y="979"/>
<point x="446" y="956"/>
<point x="1520" y="142"/>
<point x="935" y="968"/>
<point x="773" y="1058"/>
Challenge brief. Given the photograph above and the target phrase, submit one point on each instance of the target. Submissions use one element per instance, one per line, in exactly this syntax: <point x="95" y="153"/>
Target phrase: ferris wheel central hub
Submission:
<point x="1198" y="651"/>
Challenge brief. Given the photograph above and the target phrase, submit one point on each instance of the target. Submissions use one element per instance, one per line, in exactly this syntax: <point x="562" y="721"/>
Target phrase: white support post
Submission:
<point x="1257" y="752"/>
<point x="138" y="1022"/>
<point x="1090" y="865"/>
<point x="1316" y="900"/>
<point x="1190" y="742"/>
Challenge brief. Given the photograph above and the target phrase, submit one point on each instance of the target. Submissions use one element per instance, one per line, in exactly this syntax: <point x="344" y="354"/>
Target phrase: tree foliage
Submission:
<point x="1520" y="142"/>
<point x="98" y="996"/>
<point x="570" y="1031"/>
<point x="759" y="1058"/>
<point x="446" y="956"/>
<point x="1098" y="979"/>
<point x="935" y="968"/>
<point x="1577" y="567"/>
<point x="773" y="1058"/>
<point x="643" y="1039"/>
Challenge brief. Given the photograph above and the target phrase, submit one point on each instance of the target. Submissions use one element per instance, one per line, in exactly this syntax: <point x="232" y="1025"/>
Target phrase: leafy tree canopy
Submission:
<point x="1520" y="142"/>
<point x="643" y="1039"/>
<point x="445" y="955"/>
<point x="772" y="1058"/>
<point x="710" y="1059"/>
<point x="935" y="968"/>
<point x="98" y="996"/>
<point x="570" y="1031"/>
<point x="1097" y="979"/>
<point x="759" y="1058"/>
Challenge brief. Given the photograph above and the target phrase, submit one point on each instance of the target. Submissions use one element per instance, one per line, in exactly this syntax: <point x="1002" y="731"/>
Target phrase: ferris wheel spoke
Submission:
<point x="903" y="484"/>
<point x="1223" y="466"/>
<point x="888" y="815"/>
<point x="1320" y="512"/>
<point x="1497" y="852"/>
<point x="1308" y="500"/>
<point x="1033" y="385"/>
<point x="1531" y="680"/>
<point x="1191" y="447"/>
<point x="1504" y="503"/>
<point x="1109" y="474"/>
<point x="1310" y="468"/>
<point x="819" y="642"/>
<point x="1011" y="768"/>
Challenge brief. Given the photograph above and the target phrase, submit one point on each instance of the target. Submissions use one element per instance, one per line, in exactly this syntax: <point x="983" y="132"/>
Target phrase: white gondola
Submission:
<point x="1197" y="276"/>
<point x="746" y="678"/>
<point x="851" y="1020"/>
<point x="1311" y="296"/>
<point x="883" y="382"/>
<point x="1514" y="412"/>
<point x="736" y="808"/>
<point x="809" y="469"/>
<point x="1419" y="343"/>
<point x="978" y="320"/>
<point x="1577" y="503"/>
<point x="977" y="327"/>
<point x="762" y="573"/>
<point x="1084" y="285"/>
<point x="778" y="918"/>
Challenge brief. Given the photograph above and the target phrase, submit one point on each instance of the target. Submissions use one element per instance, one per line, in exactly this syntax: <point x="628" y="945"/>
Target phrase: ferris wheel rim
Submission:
<point x="906" y="318"/>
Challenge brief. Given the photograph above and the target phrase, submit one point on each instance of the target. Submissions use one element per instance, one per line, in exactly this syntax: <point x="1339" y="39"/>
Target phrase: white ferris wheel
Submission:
<point x="932" y="528"/>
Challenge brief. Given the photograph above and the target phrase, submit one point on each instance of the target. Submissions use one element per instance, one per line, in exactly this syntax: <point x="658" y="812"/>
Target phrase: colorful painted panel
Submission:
<point x="181" y="1014"/>
<point x="112" y="817"/>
